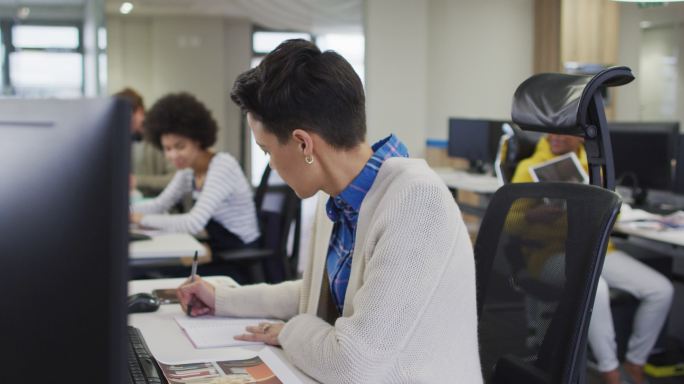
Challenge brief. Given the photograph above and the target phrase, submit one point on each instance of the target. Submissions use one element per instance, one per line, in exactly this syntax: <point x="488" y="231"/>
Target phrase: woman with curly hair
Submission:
<point x="184" y="129"/>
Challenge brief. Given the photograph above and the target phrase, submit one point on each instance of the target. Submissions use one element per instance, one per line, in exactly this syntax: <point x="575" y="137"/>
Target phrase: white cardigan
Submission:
<point x="409" y="315"/>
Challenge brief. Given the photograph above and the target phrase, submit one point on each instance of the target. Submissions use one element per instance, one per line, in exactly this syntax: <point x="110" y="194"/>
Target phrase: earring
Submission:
<point x="308" y="159"/>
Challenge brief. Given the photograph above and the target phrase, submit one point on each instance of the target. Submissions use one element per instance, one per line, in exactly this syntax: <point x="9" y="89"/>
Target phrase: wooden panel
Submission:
<point x="589" y="31"/>
<point x="547" y="40"/>
<point x="582" y="31"/>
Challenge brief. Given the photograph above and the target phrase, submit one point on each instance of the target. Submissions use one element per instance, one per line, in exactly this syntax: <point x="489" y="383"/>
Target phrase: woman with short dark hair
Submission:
<point x="184" y="129"/>
<point x="389" y="293"/>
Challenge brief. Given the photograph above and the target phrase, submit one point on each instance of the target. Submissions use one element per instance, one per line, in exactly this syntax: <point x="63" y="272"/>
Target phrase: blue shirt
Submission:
<point x="343" y="210"/>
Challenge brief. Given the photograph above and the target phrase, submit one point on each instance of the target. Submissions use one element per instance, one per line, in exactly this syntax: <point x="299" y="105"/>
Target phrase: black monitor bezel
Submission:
<point x="670" y="129"/>
<point x="486" y="155"/>
<point x="66" y="246"/>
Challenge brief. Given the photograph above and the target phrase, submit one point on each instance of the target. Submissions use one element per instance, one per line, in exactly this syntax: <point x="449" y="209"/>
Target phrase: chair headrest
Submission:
<point x="558" y="103"/>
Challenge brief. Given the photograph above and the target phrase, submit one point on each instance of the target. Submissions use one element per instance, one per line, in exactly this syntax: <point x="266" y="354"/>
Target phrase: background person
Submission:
<point x="621" y="271"/>
<point x="151" y="171"/>
<point x="184" y="128"/>
<point x="389" y="293"/>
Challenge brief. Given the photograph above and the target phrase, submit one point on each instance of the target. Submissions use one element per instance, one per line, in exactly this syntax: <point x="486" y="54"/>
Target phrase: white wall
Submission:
<point x="479" y="52"/>
<point x="636" y="101"/>
<point x="428" y="60"/>
<point x="396" y="71"/>
<point x="201" y="55"/>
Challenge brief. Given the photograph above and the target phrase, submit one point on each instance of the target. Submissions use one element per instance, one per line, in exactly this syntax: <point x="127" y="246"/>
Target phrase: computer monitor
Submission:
<point x="643" y="154"/>
<point x="679" y="169"/>
<point x="64" y="239"/>
<point x="475" y="140"/>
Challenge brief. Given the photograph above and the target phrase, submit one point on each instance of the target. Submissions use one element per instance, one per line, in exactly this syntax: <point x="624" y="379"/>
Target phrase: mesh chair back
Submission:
<point x="278" y="213"/>
<point x="279" y="217"/>
<point x="539" y="254"/>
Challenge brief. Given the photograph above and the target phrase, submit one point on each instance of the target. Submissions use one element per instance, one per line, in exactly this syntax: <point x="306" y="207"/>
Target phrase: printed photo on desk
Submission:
<point x="246" y="371"/>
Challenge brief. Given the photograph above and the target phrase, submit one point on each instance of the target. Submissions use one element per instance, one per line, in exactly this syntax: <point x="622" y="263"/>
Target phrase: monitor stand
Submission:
<point x="478" y="167"/>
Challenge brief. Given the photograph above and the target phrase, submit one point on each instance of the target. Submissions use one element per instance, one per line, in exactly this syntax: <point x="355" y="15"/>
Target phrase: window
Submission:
<point x="42" y="60"/>
<point x="102" y="57"/>
<point x="350" y="46"/>
<point x="40" y="36"/>
<point x="264" y="42"/>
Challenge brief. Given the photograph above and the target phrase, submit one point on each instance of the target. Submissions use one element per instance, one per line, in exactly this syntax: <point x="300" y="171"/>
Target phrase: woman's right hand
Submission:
<point x="200" y="294"/>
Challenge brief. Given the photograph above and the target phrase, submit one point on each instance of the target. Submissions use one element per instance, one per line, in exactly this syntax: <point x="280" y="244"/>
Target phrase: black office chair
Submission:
<point x="556" y="268"/>
<point x="278" y="211"/>
<point x="514" y="146"/>
<point x="539" y="254"/>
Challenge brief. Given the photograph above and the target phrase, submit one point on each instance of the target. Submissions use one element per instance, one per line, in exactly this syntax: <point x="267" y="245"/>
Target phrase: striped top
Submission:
<point x="225" y="197"/>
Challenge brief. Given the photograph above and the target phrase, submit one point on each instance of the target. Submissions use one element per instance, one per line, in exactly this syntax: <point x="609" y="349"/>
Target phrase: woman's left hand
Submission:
<point x="264" y="332"/>
<point x="135" y="217"/>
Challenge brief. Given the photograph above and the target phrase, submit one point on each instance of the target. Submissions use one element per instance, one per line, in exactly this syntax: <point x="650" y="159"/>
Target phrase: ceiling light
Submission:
<point x="126" y="8"/>
<point x="23" y="13"/>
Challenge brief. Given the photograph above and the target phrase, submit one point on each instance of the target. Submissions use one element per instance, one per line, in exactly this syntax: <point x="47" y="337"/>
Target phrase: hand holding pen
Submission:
<point x="193" y="273"/>
<point x="196" y="296"/>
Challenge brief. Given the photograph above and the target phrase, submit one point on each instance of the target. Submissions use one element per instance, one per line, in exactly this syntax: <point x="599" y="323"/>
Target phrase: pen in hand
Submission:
<point x="193" y="272"/>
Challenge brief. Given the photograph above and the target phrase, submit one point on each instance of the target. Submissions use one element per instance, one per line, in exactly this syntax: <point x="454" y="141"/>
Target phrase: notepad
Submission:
<point x="216" y="332"/>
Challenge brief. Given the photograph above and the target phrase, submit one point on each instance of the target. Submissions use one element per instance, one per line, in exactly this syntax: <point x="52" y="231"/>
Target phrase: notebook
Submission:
<point x="215" y="332"/>
<point x="565" y="168"/>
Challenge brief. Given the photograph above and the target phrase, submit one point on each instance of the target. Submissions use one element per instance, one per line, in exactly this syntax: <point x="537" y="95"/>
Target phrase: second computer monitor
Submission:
<point x="643" y="154"/>
<point x="475" y="140"/>
<point x="679" y="173"/>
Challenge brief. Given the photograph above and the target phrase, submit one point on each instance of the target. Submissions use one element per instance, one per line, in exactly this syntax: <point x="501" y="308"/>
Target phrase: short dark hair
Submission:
<point x="298" y="86"/>
<point x="180" y="114"/>
<point x="133" y="97"/>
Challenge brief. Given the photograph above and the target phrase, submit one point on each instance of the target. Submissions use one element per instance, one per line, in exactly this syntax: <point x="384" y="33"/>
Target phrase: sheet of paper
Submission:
<point x="215" y="332"/>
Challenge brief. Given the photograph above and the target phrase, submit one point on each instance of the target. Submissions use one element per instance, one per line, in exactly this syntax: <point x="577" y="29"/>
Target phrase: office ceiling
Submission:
<point x="318" y="16"/>
<point x="29" y="3"/>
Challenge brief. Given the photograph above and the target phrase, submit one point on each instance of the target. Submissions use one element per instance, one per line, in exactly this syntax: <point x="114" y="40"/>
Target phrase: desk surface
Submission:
<point x="456" y="179"/>
<point x="164" y="249"/>
<point x="168" y="343"/>
<point x="674" y="237"/>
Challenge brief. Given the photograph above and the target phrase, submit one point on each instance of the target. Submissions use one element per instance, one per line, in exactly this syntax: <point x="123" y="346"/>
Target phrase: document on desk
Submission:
<point x="216" y="332"/>
<point x="640" y="219"/>
<point x="267" y="367"/>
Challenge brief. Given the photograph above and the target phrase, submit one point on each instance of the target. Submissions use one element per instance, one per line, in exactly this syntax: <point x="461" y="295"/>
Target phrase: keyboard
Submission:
<point x="142" y="368"/>
<point x="136" y="236"/>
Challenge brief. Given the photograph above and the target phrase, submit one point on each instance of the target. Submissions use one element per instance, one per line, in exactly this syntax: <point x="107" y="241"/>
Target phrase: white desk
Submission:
<point x="168" y="343"/>
<point x="164" y="249"/>
<point x="456" y="179"/>
<point x="673" y="237"/>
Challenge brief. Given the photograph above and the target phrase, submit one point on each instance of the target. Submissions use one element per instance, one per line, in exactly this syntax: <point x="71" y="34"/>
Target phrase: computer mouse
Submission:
<point x="143" y="302"/>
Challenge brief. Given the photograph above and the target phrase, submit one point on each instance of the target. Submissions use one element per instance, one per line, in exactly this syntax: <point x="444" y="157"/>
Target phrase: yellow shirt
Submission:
<point x="551" y="235"/>
<point x="541" y="154"/>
